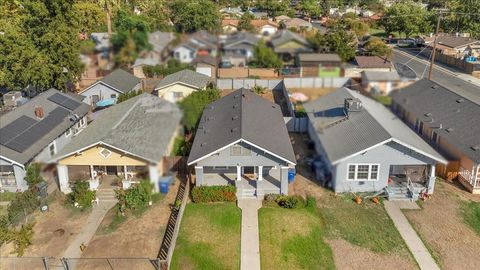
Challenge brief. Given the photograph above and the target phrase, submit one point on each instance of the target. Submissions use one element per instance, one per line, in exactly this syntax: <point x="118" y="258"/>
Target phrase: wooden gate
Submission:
<point x="448" y="172"/>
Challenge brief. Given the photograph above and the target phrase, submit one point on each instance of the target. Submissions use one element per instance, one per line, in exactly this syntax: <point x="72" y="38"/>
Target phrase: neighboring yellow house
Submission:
<point x="127" y="142"/>
<point x="179" y="85"/>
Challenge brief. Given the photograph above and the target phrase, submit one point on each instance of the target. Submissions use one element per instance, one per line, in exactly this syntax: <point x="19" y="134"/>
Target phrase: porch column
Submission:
<point x="199" y="175"/>
<point x="284" y="180"/>
<point x="20" y="174"/>
<point x="239" y="173"/>
<point x="260" y="173"/>
<point x="431" y="180"/>
<point x="154" y="177"/>
<point x="62" y="171"/>
<point x="125" y="172"/>
<point x="91" y="172"/>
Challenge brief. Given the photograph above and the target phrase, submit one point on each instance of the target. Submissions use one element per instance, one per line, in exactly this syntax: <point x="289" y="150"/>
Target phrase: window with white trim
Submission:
<point x="82" y="121"/>
<point x="52" y="149"/>
<point x="363" y="172"/>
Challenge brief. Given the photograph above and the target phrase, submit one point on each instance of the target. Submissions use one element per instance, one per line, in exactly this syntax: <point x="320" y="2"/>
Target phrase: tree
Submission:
<point x="155" y="13"/>
<point x="130" y="27"/>
<point x="358" y="27"/>
<point x="193" y="15"/>
<point x="396" y="19"/>
<point x="265" y="57"/>
<point x="88" y="15"/>
<point x="194" y="104"/>
<point x="245" y="22"/>
<point x="377" y="47"/>
<point x="311" y="8"/>
<point x="464" y="17"/>
<point x="127" y="54"/>
<point x="33" y="175"/>
<point x="338" y="41"/>
<point x="126" y="96"/>
<point x="274" y="7"/>
<point x="40" y="45"/>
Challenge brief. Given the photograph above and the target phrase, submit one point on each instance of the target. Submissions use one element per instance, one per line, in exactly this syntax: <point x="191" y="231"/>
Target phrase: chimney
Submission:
<point x="39" y="112"/>
<point x="352" y="105"/>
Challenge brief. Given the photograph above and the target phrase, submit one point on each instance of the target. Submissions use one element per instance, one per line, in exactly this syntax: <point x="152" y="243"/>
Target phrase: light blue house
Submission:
<point x="363" y="147"/>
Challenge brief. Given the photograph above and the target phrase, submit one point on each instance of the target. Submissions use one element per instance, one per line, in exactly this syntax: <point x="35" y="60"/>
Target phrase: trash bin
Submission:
<point x="291" y="175"/>
<point x="164" y="187"/>
<point x="41" y="189"/>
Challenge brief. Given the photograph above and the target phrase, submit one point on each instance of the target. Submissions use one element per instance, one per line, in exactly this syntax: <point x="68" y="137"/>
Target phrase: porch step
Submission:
<point x="106" y="195"/>
<point x="246" y="193"/>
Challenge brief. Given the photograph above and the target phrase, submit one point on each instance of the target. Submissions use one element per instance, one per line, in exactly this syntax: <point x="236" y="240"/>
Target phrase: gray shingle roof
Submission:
<point x="381" y="76"/>
<point x="283" y="36"/>
<point x="143" y="126"/>
<point x="241" y="38"/>
<point x="242" y="115"/>
<point x="372" y="62"/>
<point x="342" y="137"/>
<point x="453" y="41"/>
<point x="28" y="109"/>
<point x="121" y="80"/>
<point x="458" y="116"/>
<point x="319" y="57"/>
<point x="160" y="40"/>
<point x="187" y="77"/>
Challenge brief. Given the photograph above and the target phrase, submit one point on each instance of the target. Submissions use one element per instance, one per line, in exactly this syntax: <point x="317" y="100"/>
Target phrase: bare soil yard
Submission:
<point x="136" y="237"/>
<point x="441" y="226"/>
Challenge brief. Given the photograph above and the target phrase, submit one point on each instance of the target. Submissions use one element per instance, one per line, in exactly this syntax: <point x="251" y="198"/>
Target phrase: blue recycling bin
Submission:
<point x="291" y="175"/>
<point x="164" y="187"/>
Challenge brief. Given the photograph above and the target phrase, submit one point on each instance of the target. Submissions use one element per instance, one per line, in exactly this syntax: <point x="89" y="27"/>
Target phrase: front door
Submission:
<point x="111" y="170"/>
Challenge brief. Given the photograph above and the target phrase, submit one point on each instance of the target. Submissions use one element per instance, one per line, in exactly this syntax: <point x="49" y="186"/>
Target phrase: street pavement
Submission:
<point x="446" y="76"/>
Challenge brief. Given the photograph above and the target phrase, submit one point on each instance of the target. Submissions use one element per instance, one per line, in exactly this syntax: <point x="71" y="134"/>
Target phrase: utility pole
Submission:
<point x="432" y="60"/>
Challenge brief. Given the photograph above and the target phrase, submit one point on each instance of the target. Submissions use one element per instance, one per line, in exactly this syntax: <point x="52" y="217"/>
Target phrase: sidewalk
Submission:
<point x="250" y="249"/>
<point x="93" y="221"/>
<point x="414" y="243"/>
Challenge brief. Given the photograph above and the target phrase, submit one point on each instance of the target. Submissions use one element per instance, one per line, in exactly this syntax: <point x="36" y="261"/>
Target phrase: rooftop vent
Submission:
<point x="434" y="86"/>
<point x="234" y="130"/>
<point x="460" y="100"/>
<point x="236" y="96"/>
<point x="203" y="144"/>
<point x="235" y="117"/>
<point x="457" y="110"/>
<point x="476" y="147"/>
<point x="352" y="105"/>
<point x="449" y="129"/>
<point x="210" y="118"/>
<point x="235" y="105"/>
<point x="428" y="114"/>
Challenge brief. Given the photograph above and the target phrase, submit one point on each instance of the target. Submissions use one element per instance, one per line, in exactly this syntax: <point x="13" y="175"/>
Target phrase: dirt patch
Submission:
<point x="313" y="93"/>
<point x="137" y="236"/>
<point x="46" y="239"/>
<point x="348" y="256"/>
<point x="441" y="227"/>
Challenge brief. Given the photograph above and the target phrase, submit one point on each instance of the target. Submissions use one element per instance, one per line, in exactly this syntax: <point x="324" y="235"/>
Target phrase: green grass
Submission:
<point x="385" y="100"/>
<point x="470" y="212"/>
<point x="209" y="237"/>
<point x="293" y="238"/>
<point x="366" y="225"/>
<point x="7" y="196"/>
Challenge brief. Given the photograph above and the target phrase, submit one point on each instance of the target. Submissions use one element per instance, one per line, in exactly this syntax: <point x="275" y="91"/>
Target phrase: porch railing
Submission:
<point x="467" y="176"/>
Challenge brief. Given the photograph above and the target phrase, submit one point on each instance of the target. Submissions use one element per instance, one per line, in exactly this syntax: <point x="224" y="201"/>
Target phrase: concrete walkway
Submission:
<point x="250" y="249"/>
<point x="414" y="243"/>
<point x="93" y="221"/>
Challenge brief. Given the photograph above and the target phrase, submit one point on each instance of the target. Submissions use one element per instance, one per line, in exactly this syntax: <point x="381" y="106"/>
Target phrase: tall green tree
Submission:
<point x="274" y="7"/>
<point x="193" y="15"/>
<point x="88" y="15"/>
<point x="339" y="41"/>
<point x="265" y="57"/>
<point x="398" y="18"/>
<point x="39" y="44"/>
<point x="245" y="22"/>
<point x="310" y="8"/>
<point x="376" y="46"/>
<point x="194" y="104"/>
<point x="129" y="26"/>
<point x="155" y="13"/>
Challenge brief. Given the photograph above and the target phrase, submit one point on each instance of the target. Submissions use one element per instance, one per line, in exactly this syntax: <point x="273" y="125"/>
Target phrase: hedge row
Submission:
<point x="205" y="194"/>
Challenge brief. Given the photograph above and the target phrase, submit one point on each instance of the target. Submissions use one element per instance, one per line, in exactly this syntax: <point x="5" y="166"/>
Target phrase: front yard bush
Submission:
<point x="135" y="197"/>
<point x="24" y="204"/>
<point x="290" y="202"/>
<point x="81" y="195"/>
<point x="205" y="194"/>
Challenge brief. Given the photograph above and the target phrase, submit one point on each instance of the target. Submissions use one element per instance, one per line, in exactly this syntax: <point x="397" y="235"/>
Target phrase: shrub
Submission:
<point x="290" y="202"/>
<point x="125" y="96"/>
<point x="22" y="238"/>
<point x="82" y="194"/>
<point x="205" y="194"/>
<point x="33" y="176"/>
<point x="135" y="197"/>
<point x="271" y="197"/>
<point x="24" y="203"/>
<point x="259" y="90"/>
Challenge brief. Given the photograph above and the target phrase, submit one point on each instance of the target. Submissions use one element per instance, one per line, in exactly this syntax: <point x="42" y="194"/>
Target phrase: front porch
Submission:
<point x="250" y="181"/>
<point x="105" y="176"/>
<point x="410" y="182"/>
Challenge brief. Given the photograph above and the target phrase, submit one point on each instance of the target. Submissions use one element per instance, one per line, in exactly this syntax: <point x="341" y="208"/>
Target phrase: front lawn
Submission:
<point x="366" y="225"/>
<point x="293" y="239"/>
<point x="471" y="214"/>
<point x="209" y="237"/>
